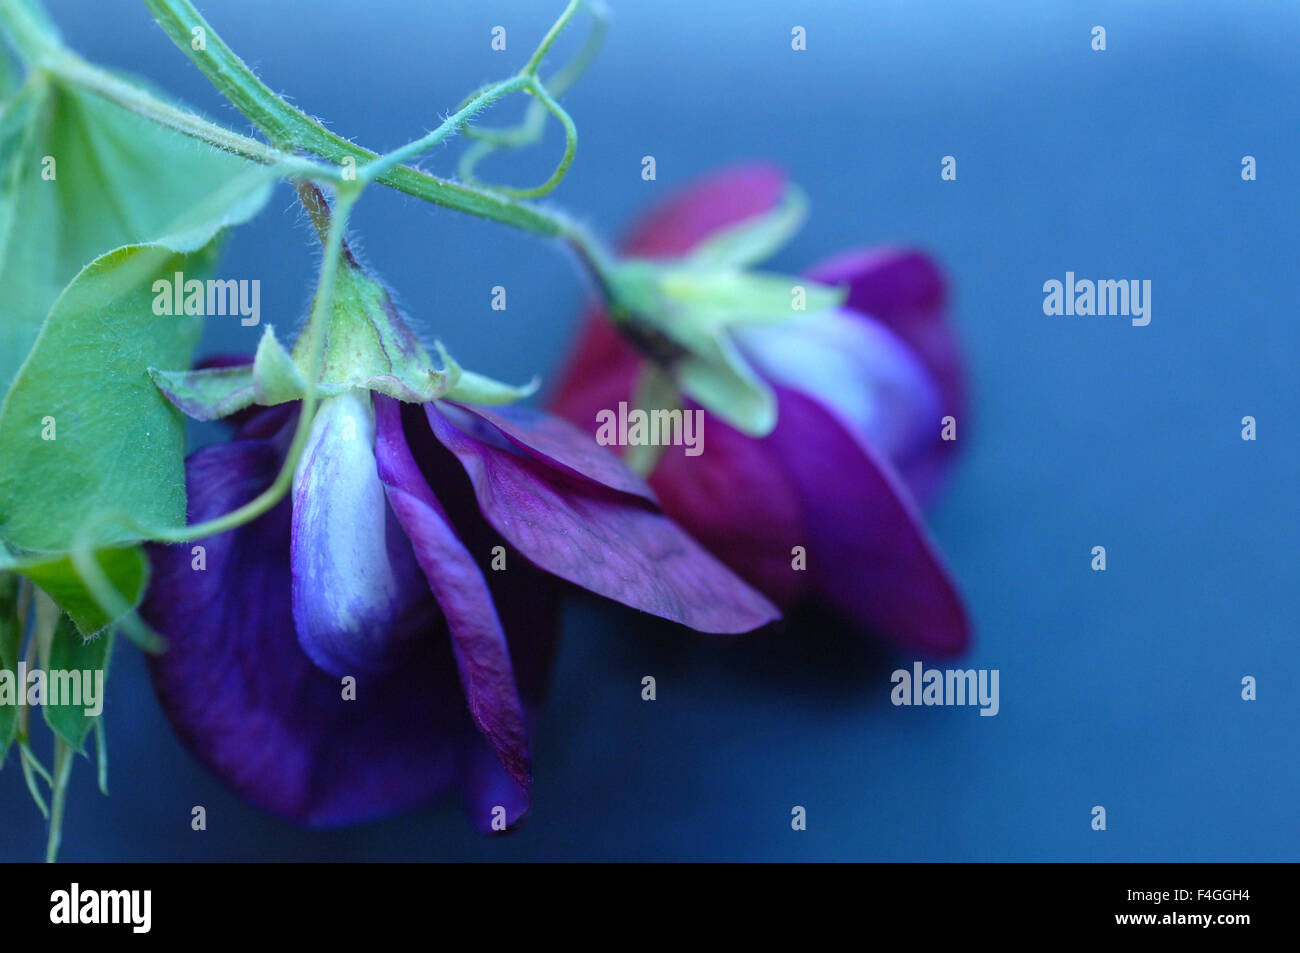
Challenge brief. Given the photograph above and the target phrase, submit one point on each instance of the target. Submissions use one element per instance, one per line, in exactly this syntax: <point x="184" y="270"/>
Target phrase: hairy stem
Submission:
<point x="287" y="127"/>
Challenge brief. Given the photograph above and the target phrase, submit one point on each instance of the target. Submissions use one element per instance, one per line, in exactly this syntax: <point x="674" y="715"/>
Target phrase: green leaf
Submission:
<point x="9" y="76"/>
<point x="11" y="631"/>
<point x="97" y="204"/>
<point x="755" y="239"/>
<point x="79" y="177"/>
<point x="126" y="568"/>
<point x="93" y="451"/>
<point x="72" y="656"/>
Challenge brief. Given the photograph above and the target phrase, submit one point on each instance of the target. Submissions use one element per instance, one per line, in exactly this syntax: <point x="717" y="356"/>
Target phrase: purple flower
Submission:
<point x="863" y="393"/>
<point x="365" y="645"/>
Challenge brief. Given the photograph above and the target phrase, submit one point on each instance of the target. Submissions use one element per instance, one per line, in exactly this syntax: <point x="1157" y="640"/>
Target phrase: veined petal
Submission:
<point x="867" y="547"/>
<point x="357" y="588"/>
<point x="607" y="542"/>
<point x="244" y="698"/>
<point x="478" y="640"/>
<point x="559" y="444"/>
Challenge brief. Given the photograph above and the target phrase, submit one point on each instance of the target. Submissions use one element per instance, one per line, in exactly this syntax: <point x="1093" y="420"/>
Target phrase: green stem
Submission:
<point x="477" y="104"/>
<point x="287" y="127"/>
<point x="269" y="497"/>
<point x="30" y="31"/>
<point x="62" y="775"/>
<point x="535" y="61"/>
<point x="73" y="69"/>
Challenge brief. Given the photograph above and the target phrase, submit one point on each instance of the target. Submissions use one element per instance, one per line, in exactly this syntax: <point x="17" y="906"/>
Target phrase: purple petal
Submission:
<point x="558" y="443"/>
<point x="357" y="589"/>
<point x="859" y="371"/>
<point x="739" y="505"/>
<point x="479" y="643"/>
<point x="905" y="291"/>
<point x="867" y="547"/>
<point x="244" y="698"/>
<point x="607" y="542"/>
<point x="492" y="796"/>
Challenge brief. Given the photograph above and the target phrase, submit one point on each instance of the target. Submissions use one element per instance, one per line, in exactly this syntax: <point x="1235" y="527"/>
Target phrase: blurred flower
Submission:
<point x="863" y="389"/>
<point x="346" y="655"/>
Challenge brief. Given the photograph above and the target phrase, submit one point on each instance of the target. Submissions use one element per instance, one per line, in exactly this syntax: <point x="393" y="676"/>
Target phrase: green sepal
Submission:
<point x="471" y="388"/>
<point x="754" y="239"/>
<point x="276" y="379"/>
<point x="211" y="393"/>
<point x="720" y="380"/>
<point x="368" y="345"/>
<point x="655" y="390"/>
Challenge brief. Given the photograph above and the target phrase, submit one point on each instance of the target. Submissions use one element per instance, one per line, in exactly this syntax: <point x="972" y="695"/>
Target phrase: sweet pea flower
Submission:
<point x="863" y="390"/>
<point x="383" y="634"/>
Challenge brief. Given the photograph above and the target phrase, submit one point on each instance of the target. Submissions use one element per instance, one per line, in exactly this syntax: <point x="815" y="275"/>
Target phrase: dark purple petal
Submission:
<point x="867" y="548"/>
<point x="492" y="796"/>
<point x="558" y="443"/>
<point x="607" y="542"/>
<point x="245" y="699"/>
<point x="356" y="585"/>
<point x="479" y="643"/>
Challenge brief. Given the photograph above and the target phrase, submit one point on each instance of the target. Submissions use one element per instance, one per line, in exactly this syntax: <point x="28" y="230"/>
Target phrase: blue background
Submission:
<point x="1119" y="688"/>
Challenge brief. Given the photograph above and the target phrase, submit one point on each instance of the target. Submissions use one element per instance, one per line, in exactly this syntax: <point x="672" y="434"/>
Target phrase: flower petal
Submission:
<point x="694" y="213"/>
<point x="740" y="505"/>
<point x="870" y="554"/>
<point x="859" y="371"/>
<point x="607" y="542"/>
<point x="735" y="498"/>
<point x="357" y="589"/>
<point x="494" y="800"/>
<point x="558" y="443"/>
<point x="904" y="290"/>
<point x="478" y="641"/>
<point x="244" y="698"/>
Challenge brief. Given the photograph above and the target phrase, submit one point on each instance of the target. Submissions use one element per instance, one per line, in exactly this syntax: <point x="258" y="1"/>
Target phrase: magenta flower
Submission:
<point x="383" y="634"/>
<point x="862" y="391"/>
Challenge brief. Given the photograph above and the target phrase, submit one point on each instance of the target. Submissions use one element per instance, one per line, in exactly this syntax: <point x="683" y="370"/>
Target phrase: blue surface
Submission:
<point x="1119" y="688"/>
